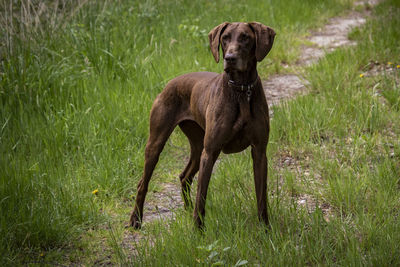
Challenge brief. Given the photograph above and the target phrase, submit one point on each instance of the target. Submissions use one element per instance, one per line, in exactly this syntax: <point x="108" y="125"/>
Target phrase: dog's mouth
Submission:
<point x="237" y="65"/>
<point x="228" y="65"/>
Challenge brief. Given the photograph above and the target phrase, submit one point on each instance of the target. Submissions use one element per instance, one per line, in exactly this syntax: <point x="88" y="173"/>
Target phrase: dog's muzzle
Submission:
<point x="233" y="62"/>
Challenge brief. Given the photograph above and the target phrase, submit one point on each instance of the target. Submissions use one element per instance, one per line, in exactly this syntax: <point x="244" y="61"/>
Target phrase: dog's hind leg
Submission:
<point x="195" y="134"/>
<point x="162" y="123"/>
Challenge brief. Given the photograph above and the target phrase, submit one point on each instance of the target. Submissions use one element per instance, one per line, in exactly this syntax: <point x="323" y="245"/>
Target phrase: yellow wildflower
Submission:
<point x="42" y="254"/>
<point x="398" y="66"/>
<point x="390" y="63"/>
<point x="95" y="192"/>
<point x="362" y="75"/>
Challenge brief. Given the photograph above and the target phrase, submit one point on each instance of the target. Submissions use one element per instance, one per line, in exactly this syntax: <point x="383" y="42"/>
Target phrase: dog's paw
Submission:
<point x="198" y="222"/>
<point x="135" y="221"/>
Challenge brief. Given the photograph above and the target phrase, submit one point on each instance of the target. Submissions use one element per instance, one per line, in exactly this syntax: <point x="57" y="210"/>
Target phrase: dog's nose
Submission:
<point x="230" y="58"/>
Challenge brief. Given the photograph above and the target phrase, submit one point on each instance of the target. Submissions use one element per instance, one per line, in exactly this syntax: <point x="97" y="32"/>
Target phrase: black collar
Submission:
<point x="248" y="88"/>
<point x="243" y="87"/>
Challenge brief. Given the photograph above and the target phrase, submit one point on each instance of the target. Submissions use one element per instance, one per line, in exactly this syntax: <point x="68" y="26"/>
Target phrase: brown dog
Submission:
<point x="217" y="112"/>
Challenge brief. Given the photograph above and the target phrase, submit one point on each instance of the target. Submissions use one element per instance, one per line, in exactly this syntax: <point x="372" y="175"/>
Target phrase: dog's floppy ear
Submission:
<point x="214" y="38"/>
<point x="264" y="39"/>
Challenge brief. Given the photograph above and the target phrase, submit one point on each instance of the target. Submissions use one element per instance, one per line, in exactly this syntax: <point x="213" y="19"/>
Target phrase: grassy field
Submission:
<point x="77" y="80"/>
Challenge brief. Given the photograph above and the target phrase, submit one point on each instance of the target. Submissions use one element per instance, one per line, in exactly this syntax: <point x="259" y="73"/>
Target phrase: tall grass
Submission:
<point x="343" y="140"/>
<point x="77" y="82"/>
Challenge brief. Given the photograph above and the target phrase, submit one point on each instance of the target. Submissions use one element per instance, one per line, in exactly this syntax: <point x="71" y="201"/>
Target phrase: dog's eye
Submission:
<point x="225" y="38"/>
<point x="244" y="37"/>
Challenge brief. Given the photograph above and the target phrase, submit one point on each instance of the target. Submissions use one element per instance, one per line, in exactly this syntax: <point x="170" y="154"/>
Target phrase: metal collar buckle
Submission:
<point x="244" y="87"/>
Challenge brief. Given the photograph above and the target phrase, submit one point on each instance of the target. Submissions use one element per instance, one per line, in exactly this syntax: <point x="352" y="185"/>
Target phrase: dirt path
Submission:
<point x="331" y="36"/>
<point x="325" y="40"/>
<point x="277" y="88"/>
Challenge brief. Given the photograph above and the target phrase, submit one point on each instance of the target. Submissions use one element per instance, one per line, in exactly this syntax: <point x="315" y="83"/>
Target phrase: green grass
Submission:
<point x="76" y="86"/>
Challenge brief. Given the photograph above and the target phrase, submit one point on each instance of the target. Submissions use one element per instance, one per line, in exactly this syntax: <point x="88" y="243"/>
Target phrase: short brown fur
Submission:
<point x="215" y="114"/>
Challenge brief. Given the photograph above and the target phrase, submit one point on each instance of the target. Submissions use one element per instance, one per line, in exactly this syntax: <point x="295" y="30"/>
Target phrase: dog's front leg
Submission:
<point x="207" y="161"/>
<point x="260" y="169"/>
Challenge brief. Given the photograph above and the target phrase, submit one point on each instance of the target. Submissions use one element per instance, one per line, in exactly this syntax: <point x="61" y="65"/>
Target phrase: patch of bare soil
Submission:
<point x="161" y="205"/>
<point x="279" y="87"/>
<point x="164" y="203"/>
<point x="366" y="3"/>
<point x="299" y="166"/>
<point x="375" y="68"/>
<point x="331" y="36"/>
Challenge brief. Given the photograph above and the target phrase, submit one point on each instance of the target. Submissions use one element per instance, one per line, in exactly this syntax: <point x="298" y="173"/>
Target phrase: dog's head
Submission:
<point x="242" y="43"/>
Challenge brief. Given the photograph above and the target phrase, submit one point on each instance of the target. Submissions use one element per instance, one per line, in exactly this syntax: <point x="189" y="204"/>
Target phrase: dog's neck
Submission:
<point x="241" y="81"/>
<point x="239" y="78"/>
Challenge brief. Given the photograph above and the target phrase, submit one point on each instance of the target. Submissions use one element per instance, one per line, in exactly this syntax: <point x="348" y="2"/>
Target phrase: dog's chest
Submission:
<point x="241" y="133"/>
<point x="239" y="140"/>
